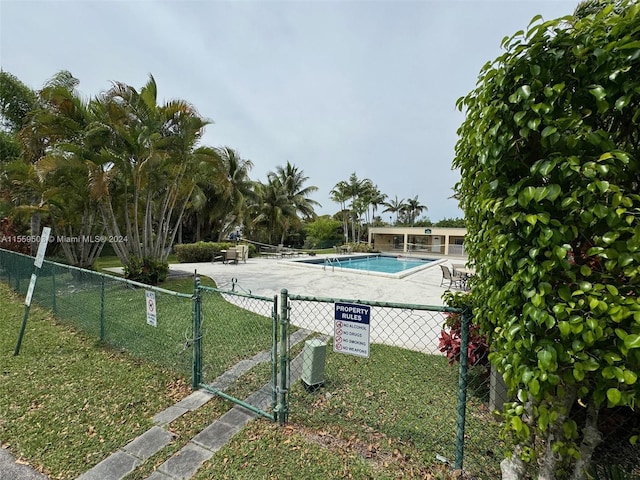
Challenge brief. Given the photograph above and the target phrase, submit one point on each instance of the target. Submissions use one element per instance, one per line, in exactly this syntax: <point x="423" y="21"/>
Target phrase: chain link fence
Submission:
<point x="109" y="308"/>
<point x="408" y="397"/>
<point x="238" y="340"/>
<point x="398" y="395"/>
<point x="405" y="394"/>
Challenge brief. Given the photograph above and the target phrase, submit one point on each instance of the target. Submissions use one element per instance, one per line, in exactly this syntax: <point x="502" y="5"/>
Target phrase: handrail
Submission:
<point x="331" y="261"/>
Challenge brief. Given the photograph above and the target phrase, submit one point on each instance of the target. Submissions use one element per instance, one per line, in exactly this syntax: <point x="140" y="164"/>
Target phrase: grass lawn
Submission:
<point x="67" y="401"/>
<point x="112" y="261"/>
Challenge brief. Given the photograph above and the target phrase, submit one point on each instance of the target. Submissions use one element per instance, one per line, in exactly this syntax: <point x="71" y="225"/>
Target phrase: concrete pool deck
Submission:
<point x="410" y="328"/>
<point x="267" y="276"/>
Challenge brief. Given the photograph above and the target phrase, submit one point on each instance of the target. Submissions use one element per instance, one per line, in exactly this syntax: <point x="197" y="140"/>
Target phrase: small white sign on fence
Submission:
<point x="152" y="318"/>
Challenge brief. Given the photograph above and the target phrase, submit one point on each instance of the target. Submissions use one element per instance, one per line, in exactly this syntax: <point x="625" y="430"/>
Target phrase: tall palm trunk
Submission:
<point x="34" y="225"/>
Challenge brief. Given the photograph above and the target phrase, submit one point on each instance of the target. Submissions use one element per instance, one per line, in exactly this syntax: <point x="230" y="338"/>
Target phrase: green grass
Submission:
<point x="112" y="310"/>
<point x="185" y="284"/>
<point x="105" y="262"/>
<point x="374" y="418"/>
<point x="67" y="402"/>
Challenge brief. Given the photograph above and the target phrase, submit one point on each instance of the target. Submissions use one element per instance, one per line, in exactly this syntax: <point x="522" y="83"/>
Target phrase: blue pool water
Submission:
<point x="374" y="263"/>
<point x="383" y="264"/>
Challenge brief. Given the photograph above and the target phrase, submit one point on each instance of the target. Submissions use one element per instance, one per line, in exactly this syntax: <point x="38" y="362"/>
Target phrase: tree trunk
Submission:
<point x="550" y="458"/>
<point x="122" y="249"/>
<point x="590" y="441"/>
<point x="513" y="468"/>
<point x="353" y="227"/>
<point x="170" y="240"/>
<point x="35" y="230"/>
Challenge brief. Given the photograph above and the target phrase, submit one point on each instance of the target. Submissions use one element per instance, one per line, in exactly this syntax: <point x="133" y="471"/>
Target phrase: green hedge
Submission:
<point x="146" y="270"/>
<point x="204" y="251"/>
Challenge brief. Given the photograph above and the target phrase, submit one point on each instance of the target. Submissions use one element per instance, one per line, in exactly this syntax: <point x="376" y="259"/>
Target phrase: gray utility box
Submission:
<point x="313" y="360"/>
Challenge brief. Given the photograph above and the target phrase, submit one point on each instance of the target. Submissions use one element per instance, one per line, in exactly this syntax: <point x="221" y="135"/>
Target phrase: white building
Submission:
<point x="442" y="241"/>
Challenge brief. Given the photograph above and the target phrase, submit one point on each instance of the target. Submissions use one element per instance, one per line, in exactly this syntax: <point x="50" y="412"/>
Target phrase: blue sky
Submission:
<point x="334" y="87"/>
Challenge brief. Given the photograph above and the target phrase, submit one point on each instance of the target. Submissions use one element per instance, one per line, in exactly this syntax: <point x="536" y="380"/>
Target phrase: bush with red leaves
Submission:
<point x="10" y="239"/>
<point x="451" y="335"/>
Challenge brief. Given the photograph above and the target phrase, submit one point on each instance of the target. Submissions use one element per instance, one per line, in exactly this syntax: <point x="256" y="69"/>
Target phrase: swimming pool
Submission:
<point x="384" y="265"/>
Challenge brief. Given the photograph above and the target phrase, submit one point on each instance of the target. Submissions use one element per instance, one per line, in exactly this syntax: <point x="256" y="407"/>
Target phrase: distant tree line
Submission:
<point x="122" y="168"/>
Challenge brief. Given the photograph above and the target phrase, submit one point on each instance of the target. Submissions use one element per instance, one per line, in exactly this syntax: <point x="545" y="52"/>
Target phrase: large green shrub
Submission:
<point x="548" y="155"/>
<point x="146" y="270"/>
<point x="196" y="252"/>
<point x="324" y="232"/>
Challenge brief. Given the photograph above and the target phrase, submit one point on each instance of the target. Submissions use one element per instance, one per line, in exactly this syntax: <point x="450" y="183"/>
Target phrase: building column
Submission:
<point x="406" y="241"/>
<point x="446" y="244"/>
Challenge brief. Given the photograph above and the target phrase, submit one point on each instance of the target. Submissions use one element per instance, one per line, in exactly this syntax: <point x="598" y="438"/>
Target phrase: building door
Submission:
<point x="435" y="243"/>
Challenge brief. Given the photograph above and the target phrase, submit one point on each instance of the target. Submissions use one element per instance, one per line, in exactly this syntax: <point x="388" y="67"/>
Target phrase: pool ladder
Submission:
<point x="332" y="262"/>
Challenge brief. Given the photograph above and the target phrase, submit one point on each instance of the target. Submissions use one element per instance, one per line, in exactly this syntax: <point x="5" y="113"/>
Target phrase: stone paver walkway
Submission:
<point x="188" y="460"/>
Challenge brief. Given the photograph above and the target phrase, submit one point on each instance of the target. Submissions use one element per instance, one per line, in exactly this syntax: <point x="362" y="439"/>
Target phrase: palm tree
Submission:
<point x="124" y="146"/>
<point x="18" y="106"/>
<point x="375" y="198"/>
<point x="292" y="181"/>
<point x="222" y="194"/>
<point x="56" y="138"/>
<point x="340" y="194"/>
<point x="236" y="191"/>
<point x="363" y="194"/>
<point x="273" y="208"/>
<point x="209" y="202"/>
<point x="414" y="208"/>
<point x="148" y="144"/>
<point x="24" y="190"/>
<point x="73" y="212"/>
<point x="356" y="188"/>
<point x="394" y="206"/>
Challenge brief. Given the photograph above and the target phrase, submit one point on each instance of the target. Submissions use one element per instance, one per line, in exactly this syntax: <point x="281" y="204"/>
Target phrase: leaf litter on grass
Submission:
<point x="67" y="404"/>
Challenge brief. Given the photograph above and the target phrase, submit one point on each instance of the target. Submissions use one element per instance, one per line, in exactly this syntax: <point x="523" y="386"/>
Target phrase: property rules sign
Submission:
<point x="351" y="329"/>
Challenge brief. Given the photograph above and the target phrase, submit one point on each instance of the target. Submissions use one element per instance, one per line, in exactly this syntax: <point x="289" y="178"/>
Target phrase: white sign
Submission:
<point x="42" y="247"/>
<point x="351" y="329"/>
<point x="32" y="286"/>
<point x="151" y="308"/>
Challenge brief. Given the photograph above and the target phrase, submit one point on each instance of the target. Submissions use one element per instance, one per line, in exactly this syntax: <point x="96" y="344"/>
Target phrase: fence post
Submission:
<point x="54" y="305"/>
<point x="102" y="305"/>
<point x="462" y="387"/>
<point x="197" y="336"/>
<point x="283" y="407"/>
<point x="274" y="355"/>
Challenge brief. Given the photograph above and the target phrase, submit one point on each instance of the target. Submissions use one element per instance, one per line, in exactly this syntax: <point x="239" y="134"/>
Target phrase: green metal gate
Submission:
<point x="252" y="351"/>
<point x="239" y="348"/>
<point x="410" y="335"/>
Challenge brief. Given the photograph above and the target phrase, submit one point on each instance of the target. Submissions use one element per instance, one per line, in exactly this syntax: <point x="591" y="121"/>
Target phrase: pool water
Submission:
<point x="383" y="264"/>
